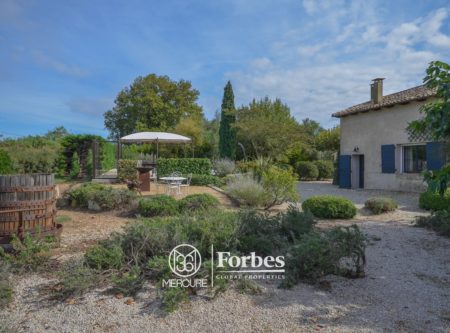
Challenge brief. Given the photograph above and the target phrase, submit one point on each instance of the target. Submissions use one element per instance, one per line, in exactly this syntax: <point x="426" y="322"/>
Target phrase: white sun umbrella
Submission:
<point x="163" y="137"/>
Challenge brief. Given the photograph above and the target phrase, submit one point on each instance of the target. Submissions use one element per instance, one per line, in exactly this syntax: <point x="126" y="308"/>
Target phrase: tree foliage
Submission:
<point x="436" y="119"/>
<point x="227" y="130"/>
<point x="328" y="140"/>
<point x="152" y="103"/>
<point x="266" y="128"/>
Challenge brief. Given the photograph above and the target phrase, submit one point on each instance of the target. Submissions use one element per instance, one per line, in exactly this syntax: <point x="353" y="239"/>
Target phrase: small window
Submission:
<point x="414" y="159"/>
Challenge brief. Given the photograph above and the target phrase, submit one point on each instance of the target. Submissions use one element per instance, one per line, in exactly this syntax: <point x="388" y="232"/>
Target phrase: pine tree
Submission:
<point x="227" y="131"/>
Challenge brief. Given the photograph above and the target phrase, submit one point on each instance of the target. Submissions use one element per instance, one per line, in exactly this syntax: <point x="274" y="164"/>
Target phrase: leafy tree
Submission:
<point x="310" y="127"/>
<point x="227" y="131"/>
<point x="328" y="140"/>
<point x="152" y="103"/>
<point x="266" y="128"/>
<point x="436" y="119"/>
<point x="57" y="133"/>
<point x="6" y="164"/>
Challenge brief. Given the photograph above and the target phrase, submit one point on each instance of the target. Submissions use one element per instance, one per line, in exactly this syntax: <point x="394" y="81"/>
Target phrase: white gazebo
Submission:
<point x="154" y="137"/>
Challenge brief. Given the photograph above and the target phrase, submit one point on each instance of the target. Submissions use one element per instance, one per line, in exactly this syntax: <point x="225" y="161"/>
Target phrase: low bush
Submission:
<point x="29" y="254"/>
<point x="6" y="289"/>
<point x="104" y="197"/>
<point x="204" y="180"/>
<point x="128" y="282"/>
<point x="247" y="191"/>
<point x="198" y="166"/>
<point x="173" y="297"/>
<point x="325" y="168"/>
<point x="381" y="205"/>
<point x="158" y="205"/>
<point x="306" y="170"/>
<point x="280" y="185"/>
<point x="196" y="202"/>
<point x="339" y="251"/>
<point x="75" y="278"/>
<point x="438" y="221"/>
<point x="104" y="256"/>
<point x="126" y="171"/>
<point x="330" y="207"/>
<point x="266" y="234"/>
<point x="430" y="200"/>
<point x="224" y="167"/>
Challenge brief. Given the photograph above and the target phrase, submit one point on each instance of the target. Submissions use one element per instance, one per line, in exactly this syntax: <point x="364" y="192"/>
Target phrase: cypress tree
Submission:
<point x="227" y="131"/>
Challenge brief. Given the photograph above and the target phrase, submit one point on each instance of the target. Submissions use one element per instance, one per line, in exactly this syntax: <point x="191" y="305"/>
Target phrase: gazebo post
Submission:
<point x="157" y="149"/>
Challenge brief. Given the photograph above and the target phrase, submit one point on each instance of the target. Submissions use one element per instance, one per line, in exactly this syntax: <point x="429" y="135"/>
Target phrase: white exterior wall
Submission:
<point x="369" y="131"/>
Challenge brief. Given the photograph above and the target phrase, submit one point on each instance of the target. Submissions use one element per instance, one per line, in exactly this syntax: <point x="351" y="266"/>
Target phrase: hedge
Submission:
<point x="381" y="205"/>
<point x="433" y="201"/>
<point x="198" y="166"/>
<point x="306" y="170"/>
<point x="126" y="170"/>
<point x="325" y="168"/>
<point x="203" y="180"/>
<point x="331" y="207"/>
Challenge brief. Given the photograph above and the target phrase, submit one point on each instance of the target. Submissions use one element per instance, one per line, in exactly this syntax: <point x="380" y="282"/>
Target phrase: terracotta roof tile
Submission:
<point x="419" y="93"/>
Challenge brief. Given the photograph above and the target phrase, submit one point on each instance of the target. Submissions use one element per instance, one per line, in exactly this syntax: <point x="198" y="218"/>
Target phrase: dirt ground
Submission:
<point x="406" y="289"/>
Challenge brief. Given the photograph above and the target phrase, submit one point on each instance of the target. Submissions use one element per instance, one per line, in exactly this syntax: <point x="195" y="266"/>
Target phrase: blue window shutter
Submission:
<point x="435" y="155"/>
<point x="388" y="158"/>
<point x="345" y="171"/>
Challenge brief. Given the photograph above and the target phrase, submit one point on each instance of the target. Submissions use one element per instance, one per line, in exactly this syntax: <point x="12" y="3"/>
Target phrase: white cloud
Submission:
<point x="317" y="77"/>
<point x="58" y="66"/>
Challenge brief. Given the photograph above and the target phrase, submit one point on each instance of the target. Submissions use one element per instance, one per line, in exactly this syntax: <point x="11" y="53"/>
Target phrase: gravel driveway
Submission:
<point x="406" y="200"/>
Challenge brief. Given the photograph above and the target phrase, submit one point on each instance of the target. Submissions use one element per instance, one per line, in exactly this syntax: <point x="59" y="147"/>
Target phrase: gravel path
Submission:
<point x="407" y="289"/>
<point x="407" y="201"/>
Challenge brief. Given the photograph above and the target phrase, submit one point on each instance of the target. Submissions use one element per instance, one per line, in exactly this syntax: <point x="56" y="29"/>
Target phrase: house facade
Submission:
<point x="376" y="151"/>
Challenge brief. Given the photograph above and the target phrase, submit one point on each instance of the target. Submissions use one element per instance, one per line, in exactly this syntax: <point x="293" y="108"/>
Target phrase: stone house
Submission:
<point x="376" y="151"/>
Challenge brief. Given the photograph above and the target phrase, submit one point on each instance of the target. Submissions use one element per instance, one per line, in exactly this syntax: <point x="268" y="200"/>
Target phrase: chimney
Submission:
<point x="376" y="90"/>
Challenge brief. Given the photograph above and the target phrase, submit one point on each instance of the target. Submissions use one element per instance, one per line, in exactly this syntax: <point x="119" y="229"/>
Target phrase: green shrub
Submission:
<point x="295" y="223"/>
<point x="75" y="279"/>
<point x="280" y="185"/>
<point x="75" y="168"/>
<point x="213" y="227"/>
<point x="158" y="205"/>
<point x="198" y="166"/>
<point x="433" y="201"/>
<point x="173" y="297"/>
<point x="196" y="202"/>
<point x="104" y="257"/>
<point x="339" y="251"/>
<point x="126" y="171"/>
<point x="325" y="168"/>
<point x="6" y="164"/>
<point x="29" y="254"/>
<point x="381" y="205"/>
<point x="129" y="282"/>
<point x="6" y="288"/>
<point x="248" y="287"/>
<point x="438" y="221"/>
<point x="224" y="167"/>
<point x="203" y="180"/>
<point x="106" y="197"/>
<point x="306" y="170"/>
<point x="259" y="232"/>
<point x="248" y="191"/>
<point x="330" y="207"/>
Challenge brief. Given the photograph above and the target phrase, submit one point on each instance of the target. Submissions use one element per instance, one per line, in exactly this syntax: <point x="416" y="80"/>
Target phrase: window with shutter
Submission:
<point x="435" y="155"/>
<point x="388" y="158"/>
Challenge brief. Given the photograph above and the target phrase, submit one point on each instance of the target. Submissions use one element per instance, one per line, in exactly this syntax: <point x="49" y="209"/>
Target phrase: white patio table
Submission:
<point x="173" y="182"/>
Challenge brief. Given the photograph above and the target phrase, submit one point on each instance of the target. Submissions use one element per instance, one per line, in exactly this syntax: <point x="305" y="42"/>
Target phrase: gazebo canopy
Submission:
<point x="159" y="137"/>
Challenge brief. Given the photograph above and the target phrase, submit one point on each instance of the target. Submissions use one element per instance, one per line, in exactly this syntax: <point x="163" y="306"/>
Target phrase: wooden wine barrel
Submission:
<point x="27" y="205"/>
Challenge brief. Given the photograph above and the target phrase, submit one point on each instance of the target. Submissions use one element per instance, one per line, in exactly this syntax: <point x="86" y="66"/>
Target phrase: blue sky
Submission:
<point x="63" y="62"/>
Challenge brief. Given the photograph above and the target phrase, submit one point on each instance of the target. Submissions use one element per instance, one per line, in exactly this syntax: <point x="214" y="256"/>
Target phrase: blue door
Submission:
<point x="345" y="170"/>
